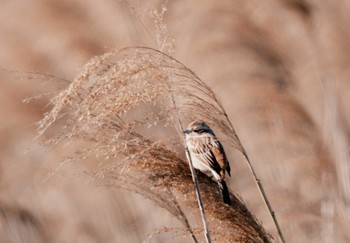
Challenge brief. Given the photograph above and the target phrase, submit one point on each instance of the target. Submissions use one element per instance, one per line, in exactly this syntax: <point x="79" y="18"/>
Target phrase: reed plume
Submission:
<point x="121" y="105"/>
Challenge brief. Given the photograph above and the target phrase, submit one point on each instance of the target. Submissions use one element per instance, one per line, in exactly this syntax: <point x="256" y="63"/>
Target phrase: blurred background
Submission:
<point x="280" y="68"/>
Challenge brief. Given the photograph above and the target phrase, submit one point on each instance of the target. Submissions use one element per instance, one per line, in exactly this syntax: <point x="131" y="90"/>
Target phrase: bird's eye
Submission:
<point x="199" y="130"/>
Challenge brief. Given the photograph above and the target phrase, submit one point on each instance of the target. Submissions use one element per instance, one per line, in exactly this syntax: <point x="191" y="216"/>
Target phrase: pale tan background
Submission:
<point x="280" y="67"/>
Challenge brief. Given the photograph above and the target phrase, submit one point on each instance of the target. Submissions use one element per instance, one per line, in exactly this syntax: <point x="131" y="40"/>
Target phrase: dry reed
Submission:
<point x="227" y="46"/>
<point x="102" y="106"/>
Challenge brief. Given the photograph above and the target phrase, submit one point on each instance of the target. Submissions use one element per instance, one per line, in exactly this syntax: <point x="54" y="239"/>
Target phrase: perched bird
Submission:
<point x="208" y="155"/>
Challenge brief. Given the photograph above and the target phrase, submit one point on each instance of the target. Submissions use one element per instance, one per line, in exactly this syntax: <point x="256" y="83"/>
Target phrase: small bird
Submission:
<point x="208" y="155"/>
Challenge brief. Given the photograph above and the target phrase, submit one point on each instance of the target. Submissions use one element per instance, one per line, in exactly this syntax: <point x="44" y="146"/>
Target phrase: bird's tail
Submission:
<point x="224" y="192"/>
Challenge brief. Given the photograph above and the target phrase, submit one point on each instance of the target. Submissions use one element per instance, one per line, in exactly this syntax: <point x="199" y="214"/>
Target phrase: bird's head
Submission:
<point x="198" y="128"/>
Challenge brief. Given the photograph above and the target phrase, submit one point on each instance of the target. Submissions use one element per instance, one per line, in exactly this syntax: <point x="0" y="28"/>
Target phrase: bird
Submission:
<point x="208" y="155"/>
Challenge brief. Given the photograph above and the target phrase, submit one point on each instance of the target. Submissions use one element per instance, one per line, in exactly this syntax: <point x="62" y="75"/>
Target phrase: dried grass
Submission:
<point x="260" y="53"/>
<point x="99" y="107"/>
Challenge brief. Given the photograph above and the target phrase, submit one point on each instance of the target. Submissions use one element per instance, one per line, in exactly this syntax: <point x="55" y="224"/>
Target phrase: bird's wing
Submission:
<point x="204" y="151"/>
<point x="220" y="157"/>
<point x="214" y="155"/>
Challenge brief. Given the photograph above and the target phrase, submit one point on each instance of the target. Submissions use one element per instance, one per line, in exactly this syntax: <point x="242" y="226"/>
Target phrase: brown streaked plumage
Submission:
<point x="208" y="155"/>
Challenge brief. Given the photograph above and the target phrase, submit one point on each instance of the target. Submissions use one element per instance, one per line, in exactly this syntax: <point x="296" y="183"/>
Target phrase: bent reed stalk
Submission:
<point x="122" y="97"/>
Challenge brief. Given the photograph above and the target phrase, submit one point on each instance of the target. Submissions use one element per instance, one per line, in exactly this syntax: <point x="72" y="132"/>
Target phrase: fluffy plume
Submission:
<point x="122" y="105"/>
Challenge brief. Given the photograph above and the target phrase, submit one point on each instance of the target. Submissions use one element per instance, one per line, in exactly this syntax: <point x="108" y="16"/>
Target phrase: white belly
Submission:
<point x="200" y="165"/>
<point x="203" y="166"/>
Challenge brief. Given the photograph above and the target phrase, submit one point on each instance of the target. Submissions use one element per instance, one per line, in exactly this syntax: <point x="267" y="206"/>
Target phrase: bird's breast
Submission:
<point x="200" y="144"/>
